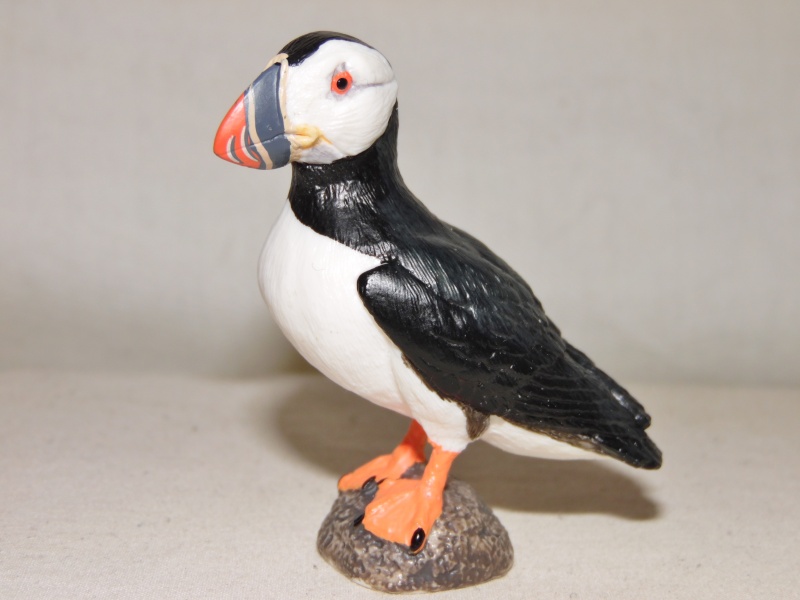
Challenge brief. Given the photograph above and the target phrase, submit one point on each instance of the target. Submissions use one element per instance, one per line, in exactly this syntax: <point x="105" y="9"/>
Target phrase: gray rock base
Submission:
<point x="468" y="544"/>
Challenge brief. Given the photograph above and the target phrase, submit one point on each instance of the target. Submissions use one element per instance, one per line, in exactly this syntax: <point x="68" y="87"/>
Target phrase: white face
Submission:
<point x="337" y="101"/>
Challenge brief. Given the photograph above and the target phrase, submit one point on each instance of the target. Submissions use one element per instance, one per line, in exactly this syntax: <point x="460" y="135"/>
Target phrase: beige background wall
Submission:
<point x="637" y="162"/>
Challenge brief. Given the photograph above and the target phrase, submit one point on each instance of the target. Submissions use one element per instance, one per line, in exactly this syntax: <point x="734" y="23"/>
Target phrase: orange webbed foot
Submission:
<point x="389" y="466"/>
<point x="404" y="510"/>
<point x="403" y="513"/>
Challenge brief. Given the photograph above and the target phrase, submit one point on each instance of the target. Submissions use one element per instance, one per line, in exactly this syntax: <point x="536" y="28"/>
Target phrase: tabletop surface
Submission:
<point x="124" y="486"/>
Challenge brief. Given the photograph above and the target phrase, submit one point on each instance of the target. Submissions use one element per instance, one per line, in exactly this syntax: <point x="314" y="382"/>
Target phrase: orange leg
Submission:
<point x="390" y="466"/>
<point x="404" y="510"/>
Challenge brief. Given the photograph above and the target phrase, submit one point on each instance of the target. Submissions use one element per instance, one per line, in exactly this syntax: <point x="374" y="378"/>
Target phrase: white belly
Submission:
<point x="309" y="282"/>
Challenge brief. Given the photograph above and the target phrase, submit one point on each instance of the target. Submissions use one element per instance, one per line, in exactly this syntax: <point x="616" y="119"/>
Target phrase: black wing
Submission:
<point x="475" y="333"/>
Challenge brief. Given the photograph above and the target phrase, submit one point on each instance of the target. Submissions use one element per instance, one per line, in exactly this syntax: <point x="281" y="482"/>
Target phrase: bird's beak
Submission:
<point x="252" y="134"/>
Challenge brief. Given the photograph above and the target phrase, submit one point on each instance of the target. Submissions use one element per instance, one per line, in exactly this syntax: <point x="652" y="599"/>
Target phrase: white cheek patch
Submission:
<point x="345" y="124"/>
<point x="322" y="153"/>
<point x="362" y="117"/>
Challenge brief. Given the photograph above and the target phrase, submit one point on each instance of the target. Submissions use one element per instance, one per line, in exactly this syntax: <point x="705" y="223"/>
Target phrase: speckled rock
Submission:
<point x="468" y="544"/>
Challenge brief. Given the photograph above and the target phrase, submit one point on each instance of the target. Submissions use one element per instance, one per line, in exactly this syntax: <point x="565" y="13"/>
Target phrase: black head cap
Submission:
<point x="301" y="48"/>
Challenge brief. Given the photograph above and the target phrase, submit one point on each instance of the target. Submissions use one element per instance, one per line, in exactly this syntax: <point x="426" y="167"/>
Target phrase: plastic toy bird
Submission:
<point x="399" y="307"/>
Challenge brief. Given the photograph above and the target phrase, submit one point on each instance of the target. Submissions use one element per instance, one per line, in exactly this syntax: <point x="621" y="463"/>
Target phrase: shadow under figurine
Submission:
<point x="401" y="308"/>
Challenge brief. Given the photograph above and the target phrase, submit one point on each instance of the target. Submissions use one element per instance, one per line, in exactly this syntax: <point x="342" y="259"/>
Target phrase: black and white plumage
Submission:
<point x="394" y="304"/>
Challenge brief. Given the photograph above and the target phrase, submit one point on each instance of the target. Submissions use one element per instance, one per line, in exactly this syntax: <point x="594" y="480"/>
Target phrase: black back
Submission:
<point x="464" y="320"/>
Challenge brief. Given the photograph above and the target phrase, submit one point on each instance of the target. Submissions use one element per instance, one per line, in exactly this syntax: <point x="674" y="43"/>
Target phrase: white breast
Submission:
<point x="309" y="283"/>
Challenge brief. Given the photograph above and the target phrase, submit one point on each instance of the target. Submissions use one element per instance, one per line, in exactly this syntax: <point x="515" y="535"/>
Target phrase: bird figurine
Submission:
<point x="399" y="307"/>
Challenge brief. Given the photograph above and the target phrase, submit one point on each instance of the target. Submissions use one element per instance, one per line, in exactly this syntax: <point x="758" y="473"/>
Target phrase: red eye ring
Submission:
<point x="341" y="83"/>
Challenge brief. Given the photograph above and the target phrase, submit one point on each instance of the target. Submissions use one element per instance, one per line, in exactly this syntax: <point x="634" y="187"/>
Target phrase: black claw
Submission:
<point x="370" y="486"/>
<point x="358" y="520"/>
<point x="417" y="540"/>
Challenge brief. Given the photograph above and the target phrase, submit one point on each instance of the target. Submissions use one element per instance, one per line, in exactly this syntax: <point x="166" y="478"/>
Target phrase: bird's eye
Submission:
<point x="341" y="83"/>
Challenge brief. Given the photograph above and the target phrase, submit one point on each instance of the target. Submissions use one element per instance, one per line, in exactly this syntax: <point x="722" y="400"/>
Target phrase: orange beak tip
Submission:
<point x="231" y="135"/>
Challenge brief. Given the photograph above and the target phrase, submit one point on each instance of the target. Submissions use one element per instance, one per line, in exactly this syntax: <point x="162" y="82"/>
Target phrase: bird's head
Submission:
<point x="325" y="96"/>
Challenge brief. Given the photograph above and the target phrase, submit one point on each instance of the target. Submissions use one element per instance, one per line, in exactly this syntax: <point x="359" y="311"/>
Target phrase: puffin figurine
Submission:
<point x="399" y="307"/>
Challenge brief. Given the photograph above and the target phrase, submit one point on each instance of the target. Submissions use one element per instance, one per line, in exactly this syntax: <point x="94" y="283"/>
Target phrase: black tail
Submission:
<point x="633" y="447"/>
<point x="620" y="393"/>
<point x="639" y="451"/>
